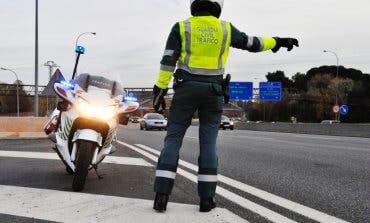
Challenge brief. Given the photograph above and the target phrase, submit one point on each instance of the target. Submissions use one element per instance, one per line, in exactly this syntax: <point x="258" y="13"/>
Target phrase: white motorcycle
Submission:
<point x="84" y="124"/>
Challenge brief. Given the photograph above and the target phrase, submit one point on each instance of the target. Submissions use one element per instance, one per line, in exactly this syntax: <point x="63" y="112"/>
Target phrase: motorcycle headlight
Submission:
<point x="94" y="111"/>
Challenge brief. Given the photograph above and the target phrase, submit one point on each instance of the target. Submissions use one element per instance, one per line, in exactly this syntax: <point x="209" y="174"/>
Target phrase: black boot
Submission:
<point x="160" y="202"/>
<point x="207" y="204"/>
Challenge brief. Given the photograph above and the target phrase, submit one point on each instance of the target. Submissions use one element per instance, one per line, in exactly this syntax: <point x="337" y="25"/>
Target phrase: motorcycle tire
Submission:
<point x="85" y="152"/>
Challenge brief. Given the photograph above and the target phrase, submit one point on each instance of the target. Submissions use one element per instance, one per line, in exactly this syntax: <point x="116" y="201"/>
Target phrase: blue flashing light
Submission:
<point x="130" y="98"/>
<point x="70" y="84"/>
<point x="80" y="49"/>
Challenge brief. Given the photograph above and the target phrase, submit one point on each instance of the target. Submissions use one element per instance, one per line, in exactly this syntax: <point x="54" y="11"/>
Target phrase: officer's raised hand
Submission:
<point x="288" y="43"/>
<point x="159" y="104"/>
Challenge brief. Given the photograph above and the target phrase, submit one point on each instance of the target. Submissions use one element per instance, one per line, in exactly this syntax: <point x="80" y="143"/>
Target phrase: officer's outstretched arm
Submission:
<point x="242" y="41"/>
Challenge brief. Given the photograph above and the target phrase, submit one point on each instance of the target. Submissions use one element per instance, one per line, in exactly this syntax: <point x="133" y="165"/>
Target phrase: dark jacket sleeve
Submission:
<point x="240" y="40"/>
<point x="170" y="56"/>
<point x="173" y="47"/>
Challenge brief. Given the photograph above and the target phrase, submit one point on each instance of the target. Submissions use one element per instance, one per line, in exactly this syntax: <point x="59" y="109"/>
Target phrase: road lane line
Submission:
<point x="191" y="137"/>
<point x="130" y="161"/>
<point x="70" y="207"/>
<point x="290" y="205"/>
<point x="53" y="156"/>
<point x="245" y="203"/>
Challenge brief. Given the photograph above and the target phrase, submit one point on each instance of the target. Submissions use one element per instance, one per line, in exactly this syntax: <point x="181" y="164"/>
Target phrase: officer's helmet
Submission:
<point x="212" y="6"/>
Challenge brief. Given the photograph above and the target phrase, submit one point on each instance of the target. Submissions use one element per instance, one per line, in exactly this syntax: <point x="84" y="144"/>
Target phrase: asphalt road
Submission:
<point x="327" y="173"/>
<point x="277" y="176"/>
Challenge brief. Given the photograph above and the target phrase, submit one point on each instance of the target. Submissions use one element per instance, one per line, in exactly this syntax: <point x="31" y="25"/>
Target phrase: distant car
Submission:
<point x="134" y="119"/>
<point x="226" y="123"/>
<point x="153" y="121"/>
<point x="330" y="122"/>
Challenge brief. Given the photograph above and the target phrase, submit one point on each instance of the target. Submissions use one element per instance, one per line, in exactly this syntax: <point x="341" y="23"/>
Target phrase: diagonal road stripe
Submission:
<point x="290" y="205"/>
<point x="245" y="203"/>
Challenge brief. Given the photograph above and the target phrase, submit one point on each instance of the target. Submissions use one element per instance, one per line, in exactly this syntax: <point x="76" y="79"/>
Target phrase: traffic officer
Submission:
<point x="197" y="50"/>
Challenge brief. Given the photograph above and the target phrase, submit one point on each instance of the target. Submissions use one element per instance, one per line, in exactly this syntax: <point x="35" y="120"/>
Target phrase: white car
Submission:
<point x="226" y="123"/>
<point x="153" y="121"/>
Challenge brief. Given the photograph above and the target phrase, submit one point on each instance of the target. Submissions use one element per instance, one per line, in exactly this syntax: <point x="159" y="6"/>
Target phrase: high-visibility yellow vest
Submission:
<point x="205" y="45"/>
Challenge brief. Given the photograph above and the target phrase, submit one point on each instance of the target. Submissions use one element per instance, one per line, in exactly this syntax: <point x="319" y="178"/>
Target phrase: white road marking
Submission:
<point x="53" y="156"/>
<point x="290" y="205"/>
<point x="245" y="203"/>
<point x="62" y="206"/>
<point x="131" y="161"/>
<point x="191" y="137"/>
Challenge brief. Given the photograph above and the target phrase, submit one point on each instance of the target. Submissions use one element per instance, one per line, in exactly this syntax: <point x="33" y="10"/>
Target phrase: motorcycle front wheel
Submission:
<point x="85" y="152"/>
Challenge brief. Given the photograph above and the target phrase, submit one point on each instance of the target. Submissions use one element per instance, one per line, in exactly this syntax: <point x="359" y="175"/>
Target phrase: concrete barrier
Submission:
<point x="352" y="130"/>
<point x="22" y="127"/>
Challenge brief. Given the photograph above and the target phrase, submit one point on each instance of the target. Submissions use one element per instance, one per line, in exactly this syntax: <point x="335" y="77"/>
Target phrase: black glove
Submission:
<point x="158" y="99"/>
<point x="226" y="88"/>
<point x="285" y="42"/>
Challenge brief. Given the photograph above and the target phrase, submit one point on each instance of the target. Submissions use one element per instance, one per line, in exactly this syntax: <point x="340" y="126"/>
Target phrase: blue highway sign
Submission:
<point x="270" y="91"/>
<point x="241" y="91"/>
<point x="344" y="109"/>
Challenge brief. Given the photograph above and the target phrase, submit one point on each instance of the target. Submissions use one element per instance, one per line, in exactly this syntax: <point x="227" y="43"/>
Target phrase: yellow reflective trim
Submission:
<point x="164" y="78"/>
<point x="183" y="42"/>
<point x="225" y="55"/>
<point x="268" y="43"/>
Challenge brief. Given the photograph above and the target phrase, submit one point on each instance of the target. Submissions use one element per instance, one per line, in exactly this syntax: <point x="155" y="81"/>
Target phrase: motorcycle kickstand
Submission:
<point x="97" y="173"/>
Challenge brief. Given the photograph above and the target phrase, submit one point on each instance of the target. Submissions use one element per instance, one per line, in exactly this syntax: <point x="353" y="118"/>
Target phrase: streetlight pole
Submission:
<point x="336" y="92"/>
<point x="92" y="33"/>
<point x="78" y="54"/>
<point x="50" y="65"/>
<point x="36" y="101"/>
<point x="17" y="82"/>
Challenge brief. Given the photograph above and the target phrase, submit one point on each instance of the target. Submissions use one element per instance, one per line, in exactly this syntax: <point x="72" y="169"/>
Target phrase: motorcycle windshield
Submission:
<point x="99" y="88"/>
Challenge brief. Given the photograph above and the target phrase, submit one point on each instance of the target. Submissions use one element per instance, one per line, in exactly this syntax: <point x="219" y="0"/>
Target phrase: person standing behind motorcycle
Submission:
<point x="199" y="47"/>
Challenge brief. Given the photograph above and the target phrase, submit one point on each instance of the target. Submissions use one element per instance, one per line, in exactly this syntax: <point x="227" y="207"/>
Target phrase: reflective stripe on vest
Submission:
<point x="205" y="45"/>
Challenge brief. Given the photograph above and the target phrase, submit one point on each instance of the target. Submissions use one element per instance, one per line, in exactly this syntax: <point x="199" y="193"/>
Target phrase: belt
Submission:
<point x="183" y="76"/>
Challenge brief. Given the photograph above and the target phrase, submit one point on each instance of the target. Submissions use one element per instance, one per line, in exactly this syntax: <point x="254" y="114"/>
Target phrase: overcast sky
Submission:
<point x="131" y="36"/>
